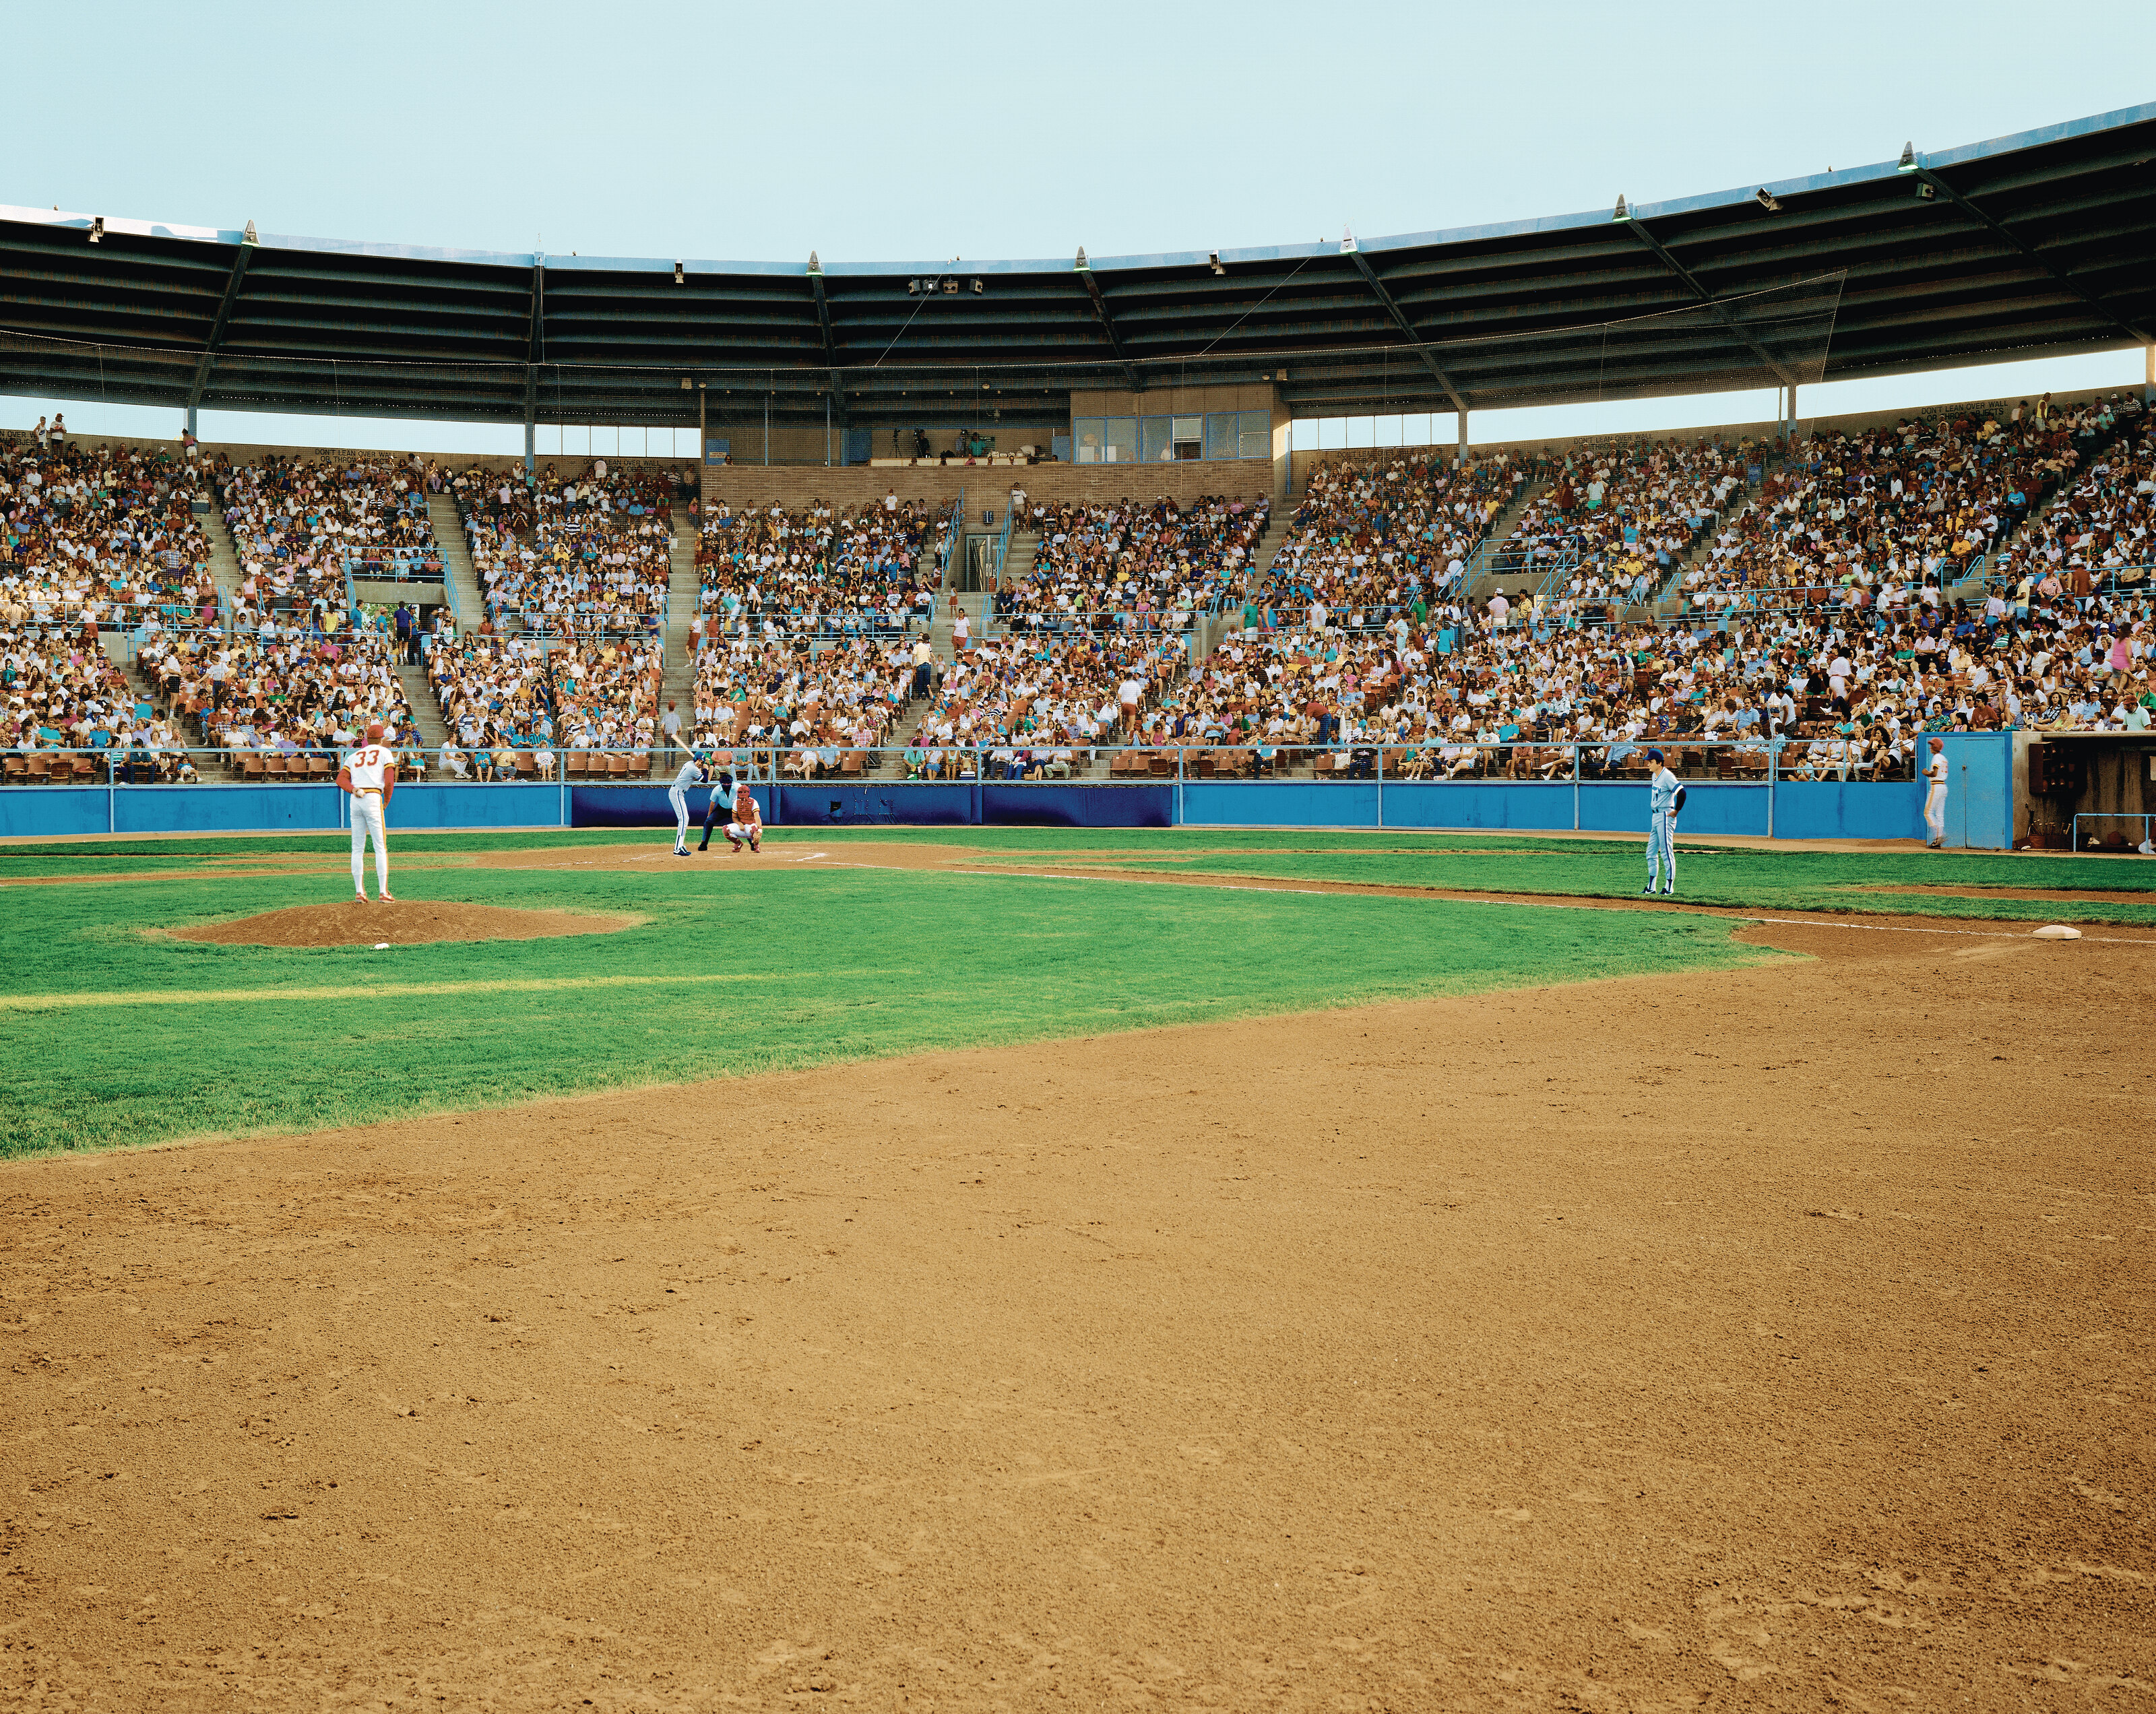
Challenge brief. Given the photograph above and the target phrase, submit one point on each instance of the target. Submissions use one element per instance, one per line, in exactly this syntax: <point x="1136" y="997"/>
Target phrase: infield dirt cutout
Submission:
<point x="1776" y="1338"/>
<point x="401" y="923"/>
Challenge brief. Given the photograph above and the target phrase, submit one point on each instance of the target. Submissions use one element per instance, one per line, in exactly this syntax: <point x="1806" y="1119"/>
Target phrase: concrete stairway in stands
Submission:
<point x="115" y="650"/>
<point x="426" y="712"/>
<point x="457" y="561"/>
<point x="679" y="686"/>
<point x="224" y="557"/>
<point x="1480" y="580"/>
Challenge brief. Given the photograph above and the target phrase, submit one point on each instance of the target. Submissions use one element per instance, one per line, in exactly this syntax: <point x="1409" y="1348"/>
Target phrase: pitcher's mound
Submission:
<point x="401" y="924"/>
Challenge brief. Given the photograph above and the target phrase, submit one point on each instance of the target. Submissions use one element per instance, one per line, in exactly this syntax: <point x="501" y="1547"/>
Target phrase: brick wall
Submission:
<point x="987" y="484"/>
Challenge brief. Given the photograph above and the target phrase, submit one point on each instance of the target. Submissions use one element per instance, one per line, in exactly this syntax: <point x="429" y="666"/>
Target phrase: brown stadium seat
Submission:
<point x="852" y="764"/>
<point x="273" y="767"/>
<point x="63" y="770"/>
<point x="250" y="767"/>
<point x="639" y="763"/>
<point x="617" y="766"/>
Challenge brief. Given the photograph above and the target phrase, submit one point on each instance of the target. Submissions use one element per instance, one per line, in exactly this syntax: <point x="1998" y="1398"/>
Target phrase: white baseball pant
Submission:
<point x="1935" y="812"/>
<point x="680" y="799"/>
<point x="744" y="830"/>
<point x="365" y="824"/>
<point x="1662" y="850"/>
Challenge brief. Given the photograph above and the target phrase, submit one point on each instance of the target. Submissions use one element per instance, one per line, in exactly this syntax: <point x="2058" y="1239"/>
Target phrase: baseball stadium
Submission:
<point x="1480" y="1030"/>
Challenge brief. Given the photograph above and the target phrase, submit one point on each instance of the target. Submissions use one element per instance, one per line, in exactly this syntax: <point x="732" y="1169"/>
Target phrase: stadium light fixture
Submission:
<point x="678" y="279"/>
<point x="978" y="288"/>
<point x="913" y="288"/>
<point x="1623" y="211"/>
<point x="1213" y="261"/>
<point x="1907" y="163"/>
<point x="1925" y="192"/>
<point x="814" y="266"/>
<point x="950" y="285"/>
<point x="252" y="236"/>
<point x="1346" y="242"/>
<point x="97" y="230"/>
<point x="1081" y="265"/>
<point x="1765" y="198"/>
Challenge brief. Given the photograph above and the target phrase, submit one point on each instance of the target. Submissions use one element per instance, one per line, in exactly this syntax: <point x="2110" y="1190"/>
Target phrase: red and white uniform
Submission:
<point x="368" y="769"/>
<point x="748" y="819"/>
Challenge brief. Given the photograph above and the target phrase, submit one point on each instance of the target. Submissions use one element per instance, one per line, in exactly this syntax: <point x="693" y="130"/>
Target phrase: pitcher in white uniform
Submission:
<point x="369" y="778"/>
<point x="1935" y="796"/>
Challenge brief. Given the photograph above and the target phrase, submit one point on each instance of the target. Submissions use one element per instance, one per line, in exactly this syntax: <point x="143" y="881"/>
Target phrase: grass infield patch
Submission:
<point x="118" y="1037"/>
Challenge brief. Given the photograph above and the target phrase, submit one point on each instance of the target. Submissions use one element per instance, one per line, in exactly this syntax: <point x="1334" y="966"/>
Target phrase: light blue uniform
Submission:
<point x="1662" y="830"/>
<point x="677" y="794"/>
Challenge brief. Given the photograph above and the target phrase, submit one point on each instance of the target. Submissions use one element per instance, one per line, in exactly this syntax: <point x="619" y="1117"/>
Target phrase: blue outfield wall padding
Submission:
<point x="50" y="812"/>
<point x="1279" y="804"/>
<point x="449" y="805"/>
<point x="190" y="809"/>
<point x="1712" y="808"/>
<point x="904" y="803"/>
<point x="646" y="806"/>
<point x="1854" y="809"/>
<point x="1529" y="806"/>
<point x="1011" y="805"/>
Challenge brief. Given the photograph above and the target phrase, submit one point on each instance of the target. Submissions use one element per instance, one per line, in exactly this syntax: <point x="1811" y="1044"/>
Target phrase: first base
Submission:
<point x="2058" y="931"/>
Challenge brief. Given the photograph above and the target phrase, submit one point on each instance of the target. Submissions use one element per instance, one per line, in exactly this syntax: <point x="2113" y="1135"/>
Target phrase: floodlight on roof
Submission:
<point x="251" y="237"/>
<point x="978" y="288"/>
<point x="1765" y="198"/>
<point x="97" y="230"/>
<point x="913" y="288"/>
<point x="1623" y="210"/>
<point x="814" y="266"/>
<point x="1907" y="163"/>
<point x="1212" y="260"/>
<point x="1925" y="191"/>
<point x="950" y="284"/>
<point x="1081" y="265"/>
<point x="678" y="278"/>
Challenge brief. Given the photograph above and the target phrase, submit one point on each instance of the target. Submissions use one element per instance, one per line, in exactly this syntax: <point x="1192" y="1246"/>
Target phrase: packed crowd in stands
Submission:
<point x="1883" y="518"/>
<point x="1372" y="539"/>
<point x="808" y="708"/>
<point x="816" y="571"/>
<point x="1828" y="684"/>
<point x="1016" y="696"/>
<point x="106" y="534"/>
<point x="1129" y="567"/>
<point x="1616" y="520"/>
<point x="300" y="695"/>
<point x="586" y="553"/>
<point x="302" y="527"/>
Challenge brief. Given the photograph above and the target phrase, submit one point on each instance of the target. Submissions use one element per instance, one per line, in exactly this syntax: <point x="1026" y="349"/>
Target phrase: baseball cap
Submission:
<point x="1654" y="756"/>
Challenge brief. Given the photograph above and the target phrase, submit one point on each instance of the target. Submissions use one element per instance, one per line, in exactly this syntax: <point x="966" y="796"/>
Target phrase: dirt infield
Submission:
<point x="1771" y="1338"/>
<point x="400" y="922"/>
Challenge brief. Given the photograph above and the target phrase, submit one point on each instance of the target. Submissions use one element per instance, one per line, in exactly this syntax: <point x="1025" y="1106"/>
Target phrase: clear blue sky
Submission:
<point x="897" y="132"/>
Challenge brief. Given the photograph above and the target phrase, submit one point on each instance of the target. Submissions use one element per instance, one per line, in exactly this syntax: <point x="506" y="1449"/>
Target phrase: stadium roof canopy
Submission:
<point x="2038" y="244"/>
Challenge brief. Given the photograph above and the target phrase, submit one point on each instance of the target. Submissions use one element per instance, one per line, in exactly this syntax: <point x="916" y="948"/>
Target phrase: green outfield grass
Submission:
<point x="117" y="1035"/>
<point x="1747" y="879"/>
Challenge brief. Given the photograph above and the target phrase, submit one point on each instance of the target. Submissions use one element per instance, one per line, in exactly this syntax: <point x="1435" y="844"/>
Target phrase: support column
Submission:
<point x="703" y="440"/>
<point x="2149" y="373"/>
<point x="191" y="419"/>
<point x="1463" y="437"/>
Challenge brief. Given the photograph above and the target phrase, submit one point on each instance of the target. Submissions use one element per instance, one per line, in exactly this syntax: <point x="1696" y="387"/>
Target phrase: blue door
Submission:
<point x="1979" y="790"/>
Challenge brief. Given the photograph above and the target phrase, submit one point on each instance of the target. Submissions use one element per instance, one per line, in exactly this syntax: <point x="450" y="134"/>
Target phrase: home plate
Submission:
<point x="2057" y="931"/>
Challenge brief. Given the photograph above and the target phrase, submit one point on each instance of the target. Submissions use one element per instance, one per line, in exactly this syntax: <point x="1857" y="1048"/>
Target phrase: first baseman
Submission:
<point x="369" y="778"/>
<point x="1662" y="790"/>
